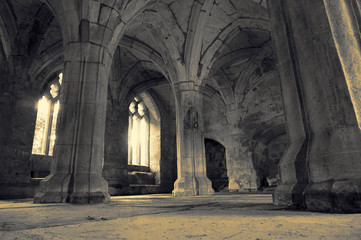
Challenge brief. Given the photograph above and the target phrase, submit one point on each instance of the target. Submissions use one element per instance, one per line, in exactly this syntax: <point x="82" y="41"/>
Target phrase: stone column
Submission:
<point x="321" y="122"/>
<point x="76" y="174"/>
<point x="292" y="167"/>
<point x="191" y="162"/>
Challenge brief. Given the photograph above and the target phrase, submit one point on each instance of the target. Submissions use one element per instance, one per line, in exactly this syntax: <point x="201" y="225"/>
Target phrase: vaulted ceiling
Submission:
<point x="217" y="44"/>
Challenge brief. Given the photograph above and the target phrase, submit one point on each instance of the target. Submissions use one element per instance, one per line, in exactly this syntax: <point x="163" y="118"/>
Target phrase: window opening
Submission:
<point x="138" y="134"/>
<point x="45" y="128"/>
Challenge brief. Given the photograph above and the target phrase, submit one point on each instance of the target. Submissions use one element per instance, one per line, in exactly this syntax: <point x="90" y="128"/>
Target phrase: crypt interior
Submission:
<point x="105" y="98"/>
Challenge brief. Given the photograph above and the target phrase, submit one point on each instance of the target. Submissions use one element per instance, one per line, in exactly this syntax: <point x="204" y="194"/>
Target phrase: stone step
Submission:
<point x="135" y="189"/>
<point x="137" y="177"/>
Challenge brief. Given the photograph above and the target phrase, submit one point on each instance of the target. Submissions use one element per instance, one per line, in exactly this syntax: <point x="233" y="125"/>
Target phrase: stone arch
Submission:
<point x="155" y="134"/>
<point x="193" y="41"/>
<point x="213" y="96"/>
<point x="127" y="11"/>
<point x="46" y="69"/>
<point x="253" y="63"/>
<point x="5" y="40"/>
<point x="68" y="19"/>
<point x="133" y="82"/>
<point x="225" y="87"/>
<point x="140" y="78"/>
<point x="132" y="179"/>
<point x="171" y="57"/>
<point x="145" y="51"/>
<point x="212" y="53"/>
<point x="41" y="73"/>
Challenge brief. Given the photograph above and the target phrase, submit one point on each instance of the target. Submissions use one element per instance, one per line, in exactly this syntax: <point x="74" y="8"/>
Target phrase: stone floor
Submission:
<point x="221" y="216"/>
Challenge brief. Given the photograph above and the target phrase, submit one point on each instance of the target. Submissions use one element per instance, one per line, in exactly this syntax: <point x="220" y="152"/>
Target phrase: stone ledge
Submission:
<point x="135" y="189"/>
<point x="19" y="190"/>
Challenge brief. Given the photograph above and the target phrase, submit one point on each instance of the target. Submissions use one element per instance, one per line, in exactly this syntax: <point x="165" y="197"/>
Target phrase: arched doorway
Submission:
<point x="216" y="164"/>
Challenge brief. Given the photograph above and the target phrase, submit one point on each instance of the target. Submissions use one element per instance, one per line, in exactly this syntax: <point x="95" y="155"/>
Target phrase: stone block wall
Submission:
<point x="18" y="116"/>
<point x="115" y="163"/>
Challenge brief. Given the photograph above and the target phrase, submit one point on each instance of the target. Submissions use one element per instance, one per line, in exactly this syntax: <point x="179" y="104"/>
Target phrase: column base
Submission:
<point x="88" y="188"/>
<point x="89" y="198"/>
<point x="81" y="189"/>
<point x="342" y="196"/>
<point x="204" y="186"/>
<point x="185" y="186"/>
<point x="192" y="186"/>
<point x="290" y="195"/>
<point x="53" y="189"/>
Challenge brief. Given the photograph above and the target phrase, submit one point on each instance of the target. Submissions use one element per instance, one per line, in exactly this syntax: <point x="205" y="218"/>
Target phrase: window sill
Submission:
<point x="138" y="168"/>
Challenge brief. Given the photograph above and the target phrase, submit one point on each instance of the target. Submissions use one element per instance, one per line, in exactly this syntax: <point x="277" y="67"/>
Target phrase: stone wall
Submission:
<point x="115" y="163"/>
<point x="18" y="116"/>
<point x="257" y="121"/>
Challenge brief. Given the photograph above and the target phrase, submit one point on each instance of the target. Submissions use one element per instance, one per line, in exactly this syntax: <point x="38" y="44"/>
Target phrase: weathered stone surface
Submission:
<point x="314" y="81"/>
<point x="191" y="164"/>
<point x="277" y="86"/>
<point x="115" y="165"/>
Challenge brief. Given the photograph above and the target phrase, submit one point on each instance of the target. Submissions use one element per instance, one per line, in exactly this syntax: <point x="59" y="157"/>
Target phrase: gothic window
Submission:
<point x="48" y="108"/>
<point x="138" y="134"/>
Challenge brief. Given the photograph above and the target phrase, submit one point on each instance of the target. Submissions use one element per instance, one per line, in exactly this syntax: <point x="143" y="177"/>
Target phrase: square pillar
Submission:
<point x="76" y="174"/>
<point x="191" y="163"/>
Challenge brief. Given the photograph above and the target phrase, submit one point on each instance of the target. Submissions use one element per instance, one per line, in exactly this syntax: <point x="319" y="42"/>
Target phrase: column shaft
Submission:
<point x="76" y="174"/>
<point x="322" y="126"/>
<point x="192" y="176"/>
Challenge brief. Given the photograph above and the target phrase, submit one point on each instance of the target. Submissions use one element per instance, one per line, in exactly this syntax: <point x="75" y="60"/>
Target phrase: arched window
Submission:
<point x="138" y="134"/>
<point x="48" y="108"/>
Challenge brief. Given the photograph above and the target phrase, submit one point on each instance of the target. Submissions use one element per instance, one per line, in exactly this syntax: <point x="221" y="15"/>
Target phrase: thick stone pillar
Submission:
<point x="191" y="162"/>
<point x="321" y="168"/>
<point x="292" y="167"/>
<point x="76" y="174"/>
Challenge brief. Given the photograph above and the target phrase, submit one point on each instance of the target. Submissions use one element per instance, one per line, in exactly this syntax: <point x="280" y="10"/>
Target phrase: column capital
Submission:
<point x="86" y="52"/>
<point x="190" y="85"/>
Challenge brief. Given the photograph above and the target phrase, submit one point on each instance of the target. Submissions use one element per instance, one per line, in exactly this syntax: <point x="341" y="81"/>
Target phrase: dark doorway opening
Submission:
<point x="216" y="164"/>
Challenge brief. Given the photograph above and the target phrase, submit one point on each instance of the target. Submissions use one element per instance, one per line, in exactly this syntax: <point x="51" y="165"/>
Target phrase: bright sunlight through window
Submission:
<point x="138" y="134"/>
<point x="45" y="128"/>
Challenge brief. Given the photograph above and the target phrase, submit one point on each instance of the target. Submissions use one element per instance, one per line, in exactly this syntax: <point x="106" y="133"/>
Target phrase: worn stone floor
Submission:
<point x="220" y="216"/>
